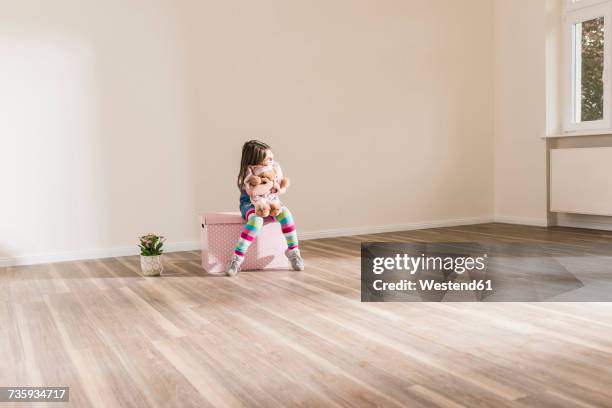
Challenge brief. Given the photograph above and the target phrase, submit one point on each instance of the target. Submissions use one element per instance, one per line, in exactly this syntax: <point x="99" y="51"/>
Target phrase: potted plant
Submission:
<point x="151" y="249"/>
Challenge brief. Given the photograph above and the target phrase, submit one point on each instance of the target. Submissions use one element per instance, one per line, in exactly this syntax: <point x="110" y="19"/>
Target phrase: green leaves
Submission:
<point x="592" y="69"/>
<point x="151" y="245"/>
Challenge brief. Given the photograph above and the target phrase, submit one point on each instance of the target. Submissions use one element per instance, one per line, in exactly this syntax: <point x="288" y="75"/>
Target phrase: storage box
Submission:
<point x="220" y="233"/>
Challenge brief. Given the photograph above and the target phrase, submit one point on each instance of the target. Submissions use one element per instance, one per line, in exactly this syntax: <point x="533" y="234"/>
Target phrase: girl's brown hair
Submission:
<point x="253" y="153"/>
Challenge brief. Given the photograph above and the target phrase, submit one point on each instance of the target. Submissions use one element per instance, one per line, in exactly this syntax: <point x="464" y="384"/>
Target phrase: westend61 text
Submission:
<point x="430" y="284"/>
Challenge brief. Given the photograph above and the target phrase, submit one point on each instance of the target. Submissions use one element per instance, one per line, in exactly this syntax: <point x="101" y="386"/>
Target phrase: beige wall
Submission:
<point x="96" y="127"/>
<point x="123" y="117"/>
<point x="380" y="111"/>
<point x="520" y="111"/>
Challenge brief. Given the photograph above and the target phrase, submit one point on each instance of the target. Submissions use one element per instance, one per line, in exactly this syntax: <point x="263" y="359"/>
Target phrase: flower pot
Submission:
<point x="151" y="265"/>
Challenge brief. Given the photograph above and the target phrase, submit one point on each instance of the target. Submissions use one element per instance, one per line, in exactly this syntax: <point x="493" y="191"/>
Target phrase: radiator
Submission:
<point x="581" y="180"/>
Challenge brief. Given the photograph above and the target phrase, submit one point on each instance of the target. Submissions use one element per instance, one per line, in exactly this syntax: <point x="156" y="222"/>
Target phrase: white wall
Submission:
<point x="379" y="111"/>
<point x="520" y="111"/>
<point x="124" y="117"/>
<point x="96" y="126"/>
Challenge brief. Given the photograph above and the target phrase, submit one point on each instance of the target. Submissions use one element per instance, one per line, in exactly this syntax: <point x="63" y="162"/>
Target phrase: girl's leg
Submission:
<point x="248" y="235"/>
<point x="290" y="233"/>
<point x="288" y="226"/>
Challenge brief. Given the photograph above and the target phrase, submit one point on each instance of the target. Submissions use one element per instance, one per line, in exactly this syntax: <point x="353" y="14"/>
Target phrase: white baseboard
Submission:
<point x="92" y="254"/>
<point x="536" y="222"/>
<point x="585" y="221"/>
<point x="342" y="232"/>
<point x="195" y="245"/>
<point x="587" y="225"/>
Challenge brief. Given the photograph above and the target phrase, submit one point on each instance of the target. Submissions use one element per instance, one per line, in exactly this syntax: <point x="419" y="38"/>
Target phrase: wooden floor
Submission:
<point x="288" y="338"/>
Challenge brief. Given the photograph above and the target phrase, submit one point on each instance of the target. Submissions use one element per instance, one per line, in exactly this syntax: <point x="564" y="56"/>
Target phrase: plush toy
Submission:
<point x="264" y="184"/>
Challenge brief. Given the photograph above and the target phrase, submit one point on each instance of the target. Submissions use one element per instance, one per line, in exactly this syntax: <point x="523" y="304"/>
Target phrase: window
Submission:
<point x="587" y="45"/>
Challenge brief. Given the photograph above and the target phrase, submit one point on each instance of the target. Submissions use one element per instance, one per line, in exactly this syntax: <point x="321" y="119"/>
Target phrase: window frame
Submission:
<point x="578" y="4"/>
<point x="589" y="10"/>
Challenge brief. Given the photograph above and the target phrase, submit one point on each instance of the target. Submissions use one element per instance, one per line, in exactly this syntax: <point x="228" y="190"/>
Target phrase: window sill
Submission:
<point x="573" y="133"/>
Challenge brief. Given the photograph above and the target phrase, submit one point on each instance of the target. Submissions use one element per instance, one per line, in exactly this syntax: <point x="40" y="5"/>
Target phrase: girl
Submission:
<point x="255" y="153"/>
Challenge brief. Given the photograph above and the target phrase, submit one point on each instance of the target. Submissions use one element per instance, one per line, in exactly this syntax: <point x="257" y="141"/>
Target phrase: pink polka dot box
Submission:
<point x="220" y="232"/>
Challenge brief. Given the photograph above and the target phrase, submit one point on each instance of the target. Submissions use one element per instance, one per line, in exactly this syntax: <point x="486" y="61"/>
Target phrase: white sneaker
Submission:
<point x="233" y="266"/>
<point x="297" y="263"/>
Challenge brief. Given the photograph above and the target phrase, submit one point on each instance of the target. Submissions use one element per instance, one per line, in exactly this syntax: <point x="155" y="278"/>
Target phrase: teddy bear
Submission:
<point x="265" y="185"/>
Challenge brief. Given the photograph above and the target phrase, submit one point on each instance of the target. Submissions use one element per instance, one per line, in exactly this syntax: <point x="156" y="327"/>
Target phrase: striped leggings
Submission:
<point x="254" y="223"/>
